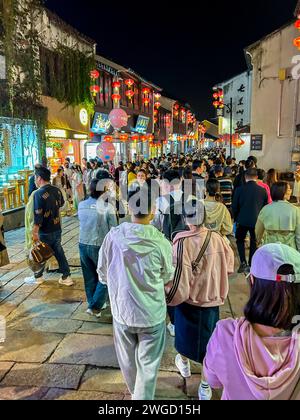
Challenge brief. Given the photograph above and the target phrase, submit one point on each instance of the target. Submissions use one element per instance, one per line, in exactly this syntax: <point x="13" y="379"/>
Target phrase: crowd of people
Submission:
<point x="157" y="237"/>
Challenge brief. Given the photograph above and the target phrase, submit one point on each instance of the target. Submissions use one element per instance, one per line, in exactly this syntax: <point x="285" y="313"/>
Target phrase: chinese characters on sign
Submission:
<point x="142" y="124"/>
<point x="101" y="123"/>
<point x="257" y="142"/>
<point x="240" y="106"/>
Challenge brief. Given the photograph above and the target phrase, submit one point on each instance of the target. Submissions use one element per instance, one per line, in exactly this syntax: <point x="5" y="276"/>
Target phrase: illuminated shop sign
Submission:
<point x="142" y="124"/>
<point x="80" y="136"/>
<point x="101" y="123"/>
<point x="57" y="134"/>
<point x="84" y="117"/>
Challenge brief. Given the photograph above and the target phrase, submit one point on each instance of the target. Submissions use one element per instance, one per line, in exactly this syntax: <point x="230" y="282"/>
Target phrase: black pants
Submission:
<point x="241" y="233"/>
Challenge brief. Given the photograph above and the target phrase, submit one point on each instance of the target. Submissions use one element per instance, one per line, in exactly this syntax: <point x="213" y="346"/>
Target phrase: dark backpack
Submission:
<point x="174" y="223"/>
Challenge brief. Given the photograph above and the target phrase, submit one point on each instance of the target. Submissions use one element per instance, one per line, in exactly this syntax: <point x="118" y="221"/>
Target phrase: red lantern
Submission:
<point x="108" y="139"/>
<point x="129" y="94"/>
<point x="116" y="85"/>
<point x="215" y="95"/>
<point x="155" y="120"/>
<point x="155" y="112"/>
<point x="165" y="142"/>
<point x="123" y="137"/>
<point x="176" y="113"/>
<point x="216" y="104"/>
<point x="221" y="93"/>
<point x="157" y="96"/>
<point x="297" y="24"/>
<point x="145" y="91"/>
<point x="95" y="89"/>
<point x="146" y="101"/>
<point x="135" y="137"/>
<point x="116" y="97"/>
<point x="94" y="74"/>
<point x="129" y="82"/>
<point x="157" y="105"/>
<point x="143" y="138"/>
<point x="150" y="137"/>
<point x="297" y="42"/>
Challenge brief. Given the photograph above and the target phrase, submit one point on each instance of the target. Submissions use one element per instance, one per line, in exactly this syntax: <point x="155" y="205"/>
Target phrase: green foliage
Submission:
<point x="55" y="145"/>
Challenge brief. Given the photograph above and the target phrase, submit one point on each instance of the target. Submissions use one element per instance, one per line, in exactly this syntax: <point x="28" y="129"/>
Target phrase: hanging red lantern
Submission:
<point x="150" y="137"/>
<point x="129" y="82"/>
<point x="297" y="42"/>
<point x="215" y="95"/>
<point x="157" y="96"/>
<point x="108" y="139"/>
<point x="94" y="74"/>
<point x="216" y="104"/>
<point x="155" y="119"/>
<point x="145" y="91"/>
<point x="95" y="89"/>
<point x="165" y="142"/>
<point x="146" y="101"/>
<point x="135" y="137"/>
<point x="129" y="94"/>
<point x="157" y="105"/>
<point x="123" y="137"/>
<point x="221" y="93"/>
<point x="176" y="113"/>
<point x="155" y="112"/>
<point x="297" y="24"/>
<point x="143" y="138"/>
<point x="116" y="85"/>
<point x="116" y="97"/>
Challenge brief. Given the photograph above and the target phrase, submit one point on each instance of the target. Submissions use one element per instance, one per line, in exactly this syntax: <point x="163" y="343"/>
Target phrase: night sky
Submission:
<point x="181" y="48"/>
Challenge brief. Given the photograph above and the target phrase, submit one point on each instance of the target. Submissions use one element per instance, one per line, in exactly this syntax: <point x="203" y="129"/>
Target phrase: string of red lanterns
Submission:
<point x="297" y="40"/>
<point x="218" y="97"/>
<point x="94" y="74"/>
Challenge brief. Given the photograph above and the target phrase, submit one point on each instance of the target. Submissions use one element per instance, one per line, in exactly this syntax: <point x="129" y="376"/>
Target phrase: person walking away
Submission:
<point x="135" y="261"/>
<point x="96" y="218"/>
<point x="217" y="216"/>
<point x="279" y="221"/>
<point x="47" y="222"/>
<point x="199" y="168"/>
<point x="272" y="177"/>
<point x="226" y="186"/>
<point x="296" y="190"/>
<point x="256" y="357"/>
<point x="199" y="288"/>
<point x="77" y="186"/>
<point x="248" y="201"/>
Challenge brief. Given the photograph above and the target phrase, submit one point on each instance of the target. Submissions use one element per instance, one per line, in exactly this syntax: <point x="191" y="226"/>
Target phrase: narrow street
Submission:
<point x="54" y="350"/>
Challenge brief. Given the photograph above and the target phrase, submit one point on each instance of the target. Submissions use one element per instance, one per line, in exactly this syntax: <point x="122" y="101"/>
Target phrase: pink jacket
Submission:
<point x="208" y="286"/>
<point x="249" y="367"/>
<point x="267" y="188"/>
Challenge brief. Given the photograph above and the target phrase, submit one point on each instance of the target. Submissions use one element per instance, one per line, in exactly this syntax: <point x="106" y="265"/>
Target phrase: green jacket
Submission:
<point x="279" y="222"/>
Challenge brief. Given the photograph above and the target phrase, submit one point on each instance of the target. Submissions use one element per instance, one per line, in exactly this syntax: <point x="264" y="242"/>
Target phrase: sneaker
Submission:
<point x="33" y="280"/>
<point x="171" y="329"/>
<point x="66" y="282"/>
<point x="184" y="368"/>
<point x="204" y="392"/>
<point x="93" y="312"/>
<point x="244" y="268"/>
<point x="105" y="306"/>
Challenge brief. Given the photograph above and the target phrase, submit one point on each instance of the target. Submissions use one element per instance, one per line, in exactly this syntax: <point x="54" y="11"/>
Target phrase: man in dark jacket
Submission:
<point x="247" y="204"/>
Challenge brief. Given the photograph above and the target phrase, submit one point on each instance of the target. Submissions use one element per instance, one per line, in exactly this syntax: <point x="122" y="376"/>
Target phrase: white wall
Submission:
<point x="268" y="57"/>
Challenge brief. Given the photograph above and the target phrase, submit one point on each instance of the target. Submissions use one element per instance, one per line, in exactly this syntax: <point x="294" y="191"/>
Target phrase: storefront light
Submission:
<point x="57" y="134"/>
<point x="80" y="136"/>
<point x="84" y="117"/>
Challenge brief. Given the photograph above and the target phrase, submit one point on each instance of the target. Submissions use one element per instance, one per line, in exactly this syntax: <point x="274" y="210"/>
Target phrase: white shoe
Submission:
<point x="184" y="368"/>
<point x="33" y="280"/>
<point x="171" y="329"/>
<point x="204" y="392"/>
<point x="66" y="282"/>
<point x="105" y="306"/>
<point x="93" y="313"/>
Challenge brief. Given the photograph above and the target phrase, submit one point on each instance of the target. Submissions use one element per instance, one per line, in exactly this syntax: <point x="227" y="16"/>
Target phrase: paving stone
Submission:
<point x="40" y="308"/>
<point x="22" y="393"/>
<point x="84" y="349"/>
<point x="61" y="394"/>
<point x="61" y="295"/>
<point x="192" y="385"/>
<point x="46" y="375"/>
<point x="81" y="315"/>
<point x="28" y="348"/>
<point x="95" y="328"/>
<point x="169" y="385"/>
<point x="104" y="380"/>
<point x="60" y="326"/>
<point x="4" y="368"/>
<point x="168" y="359"/>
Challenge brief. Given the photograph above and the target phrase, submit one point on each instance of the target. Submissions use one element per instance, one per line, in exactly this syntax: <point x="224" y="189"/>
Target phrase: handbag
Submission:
<point x="40" y="252"/>
<point x="202" y="252"/>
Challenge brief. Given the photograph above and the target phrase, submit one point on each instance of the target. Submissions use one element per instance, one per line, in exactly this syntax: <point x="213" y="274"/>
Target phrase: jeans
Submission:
<point x="54" y="241"/>
<point x="241" y="233"/>
<point x="171" y="313"/>
<point x="139" y="352"/>
<point x="96" y="292"/>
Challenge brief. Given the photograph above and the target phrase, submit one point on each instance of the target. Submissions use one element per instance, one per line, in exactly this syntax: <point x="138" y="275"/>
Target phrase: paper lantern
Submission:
<point x="150" y="137"/>
<point x="129" y="94"/>
<point x="157" y="96"/>
<point x="94" y="74"/>
<point x="129" y="82"/>
<point x="95" y="89"/>
<point x="115" y="97"/>
<point x="216" y="104"/>
<point x="135" y="137"/>
<point x="145" y="91"/>
<point x="157" y="105"/>
<point x="146" y="101"/>
<point x="143" y="138"/>
<point x="118" y="118"/>
<point x="116" y="85"/>
<point x="108" y="139"/>
<point x="106" y="151"/>
<point x="123" y="137"/>
<point x="297" y="24"/>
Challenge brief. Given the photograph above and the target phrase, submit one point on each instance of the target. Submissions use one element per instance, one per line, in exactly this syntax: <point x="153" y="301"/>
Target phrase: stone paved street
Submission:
<point x="54" y="350"/>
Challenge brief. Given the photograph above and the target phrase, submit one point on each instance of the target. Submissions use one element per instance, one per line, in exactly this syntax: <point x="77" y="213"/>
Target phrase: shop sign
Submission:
<point x="57" y="134"/>
<point x="80" y="136"/>
<point x="84" y="117"/>
<point x="142" y="124"/>
<point x="256" y="142"/>
<point x="108" y="69"/>
<point x="101" y="123"/>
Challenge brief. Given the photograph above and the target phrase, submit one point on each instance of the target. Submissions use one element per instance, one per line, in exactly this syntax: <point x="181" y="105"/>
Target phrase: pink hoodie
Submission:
<point x="208" y="285"/>
<point x="249" y="367"/>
